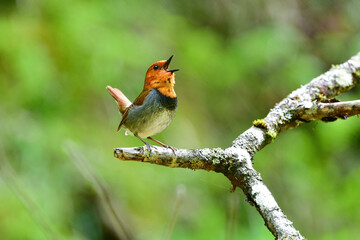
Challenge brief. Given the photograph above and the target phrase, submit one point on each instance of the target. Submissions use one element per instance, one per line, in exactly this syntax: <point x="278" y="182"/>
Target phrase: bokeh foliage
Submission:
<point x="237" y="59"/>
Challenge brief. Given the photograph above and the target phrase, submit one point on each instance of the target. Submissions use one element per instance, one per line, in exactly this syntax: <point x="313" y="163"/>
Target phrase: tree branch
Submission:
<point x="330" y="111"/>
<point x="235" y="162"/>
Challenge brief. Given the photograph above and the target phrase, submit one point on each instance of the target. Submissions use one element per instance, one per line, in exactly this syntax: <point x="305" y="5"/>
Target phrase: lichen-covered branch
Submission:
<point x="206" y="159"/>
<point x="284" y="115"/>
<point x="234" y="163"/>
<point x="249" y="180"/>
<point x="307" y="103"/>
<point x="330" y="111"/>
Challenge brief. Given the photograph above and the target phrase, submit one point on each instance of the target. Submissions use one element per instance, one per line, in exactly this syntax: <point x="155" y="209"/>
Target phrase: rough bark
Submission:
<point x="307" y="103"/>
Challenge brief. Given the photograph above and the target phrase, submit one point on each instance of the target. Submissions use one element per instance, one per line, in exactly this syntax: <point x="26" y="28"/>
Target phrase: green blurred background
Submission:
<point x="237" y="59"/>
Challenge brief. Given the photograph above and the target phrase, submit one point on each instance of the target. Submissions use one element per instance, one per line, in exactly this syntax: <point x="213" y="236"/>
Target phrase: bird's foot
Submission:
<point x="172" y="149"/>
<point x="149" y="148"/>
<point x="164" y="145"/>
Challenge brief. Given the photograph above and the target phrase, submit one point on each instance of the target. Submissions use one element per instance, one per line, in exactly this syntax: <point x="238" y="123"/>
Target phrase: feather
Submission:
<point x="138" y="102"/>
<point x="122" y="101"/>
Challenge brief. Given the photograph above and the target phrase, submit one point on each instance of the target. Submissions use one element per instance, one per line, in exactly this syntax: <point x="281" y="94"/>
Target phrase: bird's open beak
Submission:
<point x="166" y="65"/>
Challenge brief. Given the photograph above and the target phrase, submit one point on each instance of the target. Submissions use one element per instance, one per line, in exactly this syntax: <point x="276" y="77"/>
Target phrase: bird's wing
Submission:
<point x="141" y="98"/>
<point x="138" y="102"/>
<point x="124" y="117"/>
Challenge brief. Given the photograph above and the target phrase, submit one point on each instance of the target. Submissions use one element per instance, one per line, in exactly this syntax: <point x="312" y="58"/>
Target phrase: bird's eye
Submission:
<point x="156" y="67"/>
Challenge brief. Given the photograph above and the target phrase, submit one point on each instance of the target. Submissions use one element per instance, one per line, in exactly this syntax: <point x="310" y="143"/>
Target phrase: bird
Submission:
<point x="155" y="107"/>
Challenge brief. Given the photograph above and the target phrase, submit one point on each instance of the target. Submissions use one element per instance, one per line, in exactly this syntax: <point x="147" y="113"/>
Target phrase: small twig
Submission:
<point x="323" y="111"/>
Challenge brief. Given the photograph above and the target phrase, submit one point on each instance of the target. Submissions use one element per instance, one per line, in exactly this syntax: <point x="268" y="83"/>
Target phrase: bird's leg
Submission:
<point x="164" y="145"/>
<point x="146" y="143"/>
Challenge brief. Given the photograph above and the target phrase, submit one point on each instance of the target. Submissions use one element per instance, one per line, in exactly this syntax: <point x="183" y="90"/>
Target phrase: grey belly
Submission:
<point x="147" y="121"/>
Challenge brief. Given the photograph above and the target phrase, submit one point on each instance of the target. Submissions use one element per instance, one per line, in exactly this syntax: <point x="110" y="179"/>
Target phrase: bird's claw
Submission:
<point x="149" y="148"/>
<point x="172" y="149"/>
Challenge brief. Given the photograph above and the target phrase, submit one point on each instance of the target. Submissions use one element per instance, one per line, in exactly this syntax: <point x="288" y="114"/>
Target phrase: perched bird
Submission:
<point x="155" y="107"/>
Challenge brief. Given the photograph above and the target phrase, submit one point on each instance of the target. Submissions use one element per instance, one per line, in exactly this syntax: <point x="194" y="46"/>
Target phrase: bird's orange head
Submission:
<point x="160" y="77"/>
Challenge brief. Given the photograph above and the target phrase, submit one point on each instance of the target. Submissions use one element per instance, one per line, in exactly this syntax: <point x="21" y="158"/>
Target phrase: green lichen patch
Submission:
<point x="272" y="133"/>
<point x="356" y="75"/>
<point x="215" y="161"/>
<point x="260" y="123"/>
<point x="321" y="96"/>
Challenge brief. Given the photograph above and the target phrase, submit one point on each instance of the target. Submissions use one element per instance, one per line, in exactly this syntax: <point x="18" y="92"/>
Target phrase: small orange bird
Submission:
<point x="155" y="107"/>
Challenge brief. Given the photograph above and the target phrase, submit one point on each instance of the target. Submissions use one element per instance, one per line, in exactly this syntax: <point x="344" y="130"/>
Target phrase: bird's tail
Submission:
<point x="120" y="98"/>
